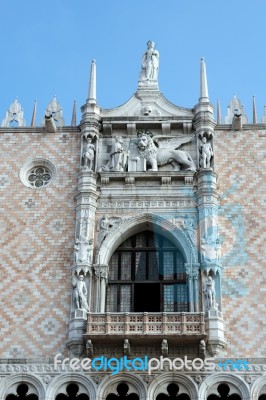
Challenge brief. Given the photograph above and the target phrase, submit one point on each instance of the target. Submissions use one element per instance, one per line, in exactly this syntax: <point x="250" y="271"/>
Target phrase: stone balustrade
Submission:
<point x="154" y="324"/>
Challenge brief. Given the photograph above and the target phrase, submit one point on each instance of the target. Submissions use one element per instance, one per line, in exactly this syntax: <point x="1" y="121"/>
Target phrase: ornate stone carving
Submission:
<point x="83" y="250"/>
<point x="143" y="152"/>
<point x="206" y="153"/>
<point x="118" y="157"/>
<point x="89" y="348"/>
<point x="235" y="109"/>
<point x="210" y="249"/>
<point x="15" y="113"/>
<point x="104" y="226"/>
<point x="189" y="225"/>
<point x="164" y="347"/>
<point x="55" y="111"/>
<point x="126" y="348"/>
<point x="145" y="204"/>
<point x="88" y="154"/>
<point x="80" y="293"/>
<point x="202" y="349"/>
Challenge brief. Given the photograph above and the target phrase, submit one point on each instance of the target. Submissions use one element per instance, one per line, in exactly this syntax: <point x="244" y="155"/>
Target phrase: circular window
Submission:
<point x="37" y="173"/>
<point x="39" y="176"/>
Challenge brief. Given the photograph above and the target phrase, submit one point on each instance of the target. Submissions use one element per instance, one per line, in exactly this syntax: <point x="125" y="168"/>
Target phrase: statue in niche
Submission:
<point x="150" y="63"/>
<point x="210" y="293"/>
<point x="144" y="148"/>
<point x="118" y="157"/>
<point x="206" y="153"/>
<point x="83" y="250"/>
<point x="88" y="154"/>
<point x="80" y="294"/>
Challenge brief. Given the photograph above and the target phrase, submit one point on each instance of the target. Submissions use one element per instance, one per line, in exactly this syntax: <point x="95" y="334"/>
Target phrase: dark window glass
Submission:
<point x="147" y="273"/>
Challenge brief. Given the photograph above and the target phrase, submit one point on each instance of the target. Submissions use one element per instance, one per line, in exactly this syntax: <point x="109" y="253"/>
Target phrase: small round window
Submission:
<point x="37" y="173"/>
<point x="39" y="176"/>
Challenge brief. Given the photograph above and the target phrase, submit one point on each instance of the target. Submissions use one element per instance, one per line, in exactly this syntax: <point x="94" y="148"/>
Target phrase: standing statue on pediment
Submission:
<point x="150" y="63"/>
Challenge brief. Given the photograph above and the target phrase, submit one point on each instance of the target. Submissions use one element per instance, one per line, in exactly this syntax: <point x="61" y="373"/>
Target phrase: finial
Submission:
<point x="33" y="119"/>
<point x="74" y="115"/>
<point x="14" y="114"/>
<point x="92" y="86"/>
<point x="255" y="118"/>
<point x="219" y="114"/>
<point x="204" y="96"/>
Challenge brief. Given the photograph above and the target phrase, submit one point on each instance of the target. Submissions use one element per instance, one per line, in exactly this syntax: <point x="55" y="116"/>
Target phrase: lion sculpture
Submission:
<point x="155" y="156"/>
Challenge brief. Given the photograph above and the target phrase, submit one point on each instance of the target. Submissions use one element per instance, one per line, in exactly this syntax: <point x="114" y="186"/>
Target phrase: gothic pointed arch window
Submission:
<point x="147" y="274"/>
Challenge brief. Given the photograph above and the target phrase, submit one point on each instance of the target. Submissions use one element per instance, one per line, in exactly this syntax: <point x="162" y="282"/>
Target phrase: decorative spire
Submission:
<point x="74" y="115"/>
<point x="92" y="88"/>
<point x="204" y="96"/>
<point x="55" y="111"/>
<point x="219" y="114"/>
<point x="255" y="118"/>
<point x="33" y="119"/>
<point x="14" y="114"/>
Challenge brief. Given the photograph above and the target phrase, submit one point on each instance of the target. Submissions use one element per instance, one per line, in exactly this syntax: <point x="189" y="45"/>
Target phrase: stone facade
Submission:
<point x="138" y="233"/>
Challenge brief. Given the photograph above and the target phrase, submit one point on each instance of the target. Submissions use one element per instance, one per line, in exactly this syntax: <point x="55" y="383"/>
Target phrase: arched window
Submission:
<point x="262" y="397"/>
<point x="147" y="273"/>
<point x="22" y="393"/>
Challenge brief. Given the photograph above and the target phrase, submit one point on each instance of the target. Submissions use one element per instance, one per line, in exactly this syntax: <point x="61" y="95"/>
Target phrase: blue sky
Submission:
<point x="46" y="48"/>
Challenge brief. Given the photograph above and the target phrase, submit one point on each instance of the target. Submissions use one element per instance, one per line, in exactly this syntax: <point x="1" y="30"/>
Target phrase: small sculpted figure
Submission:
<point x="88" y="154"/>
<point x="150" y="63"/>
<point x="206" y="153"/>
<point x="80" y="294"/>
<point x="210" y="293"/>
<point x="118" y="157"/>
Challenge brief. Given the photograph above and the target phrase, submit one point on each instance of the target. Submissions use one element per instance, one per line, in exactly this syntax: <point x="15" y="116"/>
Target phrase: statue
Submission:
<point x="189" y="226"/>
<point x="103" y="227"/>
<point x="202" y="349"/>
<point x="211" y="249"/>
<point x="83" y="250"/>
<point x="210" y="293"/>
<point x="206" y="153"/>
<point x="144" y="148"/>
<point x="118" y="157"/>
<point x="217" y="247"/>
<point x="88" y="154"/>
<point x="80" y="294"/>
<point x="150" y="63"/>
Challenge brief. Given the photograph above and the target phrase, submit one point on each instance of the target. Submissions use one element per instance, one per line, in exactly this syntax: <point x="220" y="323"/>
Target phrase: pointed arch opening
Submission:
<point x="147" y="274"/>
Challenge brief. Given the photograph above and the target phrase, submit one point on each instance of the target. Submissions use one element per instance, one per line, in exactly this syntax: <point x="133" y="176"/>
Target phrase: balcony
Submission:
<point x="175" y="327"/>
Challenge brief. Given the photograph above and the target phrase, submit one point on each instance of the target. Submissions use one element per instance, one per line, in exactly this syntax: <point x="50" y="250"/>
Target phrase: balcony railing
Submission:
<point x="154" y="324"/>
